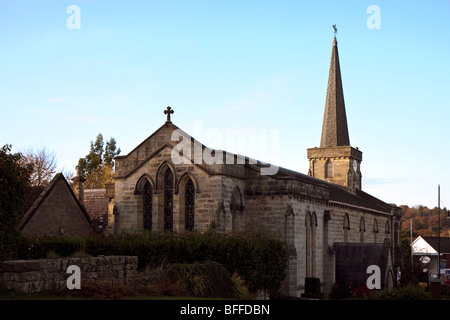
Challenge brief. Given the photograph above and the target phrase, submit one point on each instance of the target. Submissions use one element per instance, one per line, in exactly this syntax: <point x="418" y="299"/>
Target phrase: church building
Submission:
<point x="333" y="230"/>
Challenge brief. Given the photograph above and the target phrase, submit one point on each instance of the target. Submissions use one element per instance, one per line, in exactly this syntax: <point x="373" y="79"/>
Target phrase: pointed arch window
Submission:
<point x="346" y="222"/>
<point x="168" y="200"/>
<point x="362" y="229"/>
<point x="375" y="226"/>
<point x="236" y="208"/>
<point x="387" y="228"/>
<point x="375" y="230"/>
<point x="362" y="225"/>
<point x="328" y="169"/>
<point x="311" y="225"/>
<point x="189" y="205"/>
<point x="346" y="226"/>
<point x="148" y="206"/>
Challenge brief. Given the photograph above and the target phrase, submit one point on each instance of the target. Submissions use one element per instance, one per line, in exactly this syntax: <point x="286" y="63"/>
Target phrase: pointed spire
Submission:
<point x="334" y="128"/>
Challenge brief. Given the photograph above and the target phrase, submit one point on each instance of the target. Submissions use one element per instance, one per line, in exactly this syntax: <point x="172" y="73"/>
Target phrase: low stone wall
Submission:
<point x="33" y="276"/>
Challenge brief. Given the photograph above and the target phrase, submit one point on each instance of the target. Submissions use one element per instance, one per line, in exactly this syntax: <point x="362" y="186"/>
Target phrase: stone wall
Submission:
<point x="33" y="276"/>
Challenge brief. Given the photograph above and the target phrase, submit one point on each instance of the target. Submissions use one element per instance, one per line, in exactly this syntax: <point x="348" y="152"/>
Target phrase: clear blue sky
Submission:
<point x="235" y="64"/>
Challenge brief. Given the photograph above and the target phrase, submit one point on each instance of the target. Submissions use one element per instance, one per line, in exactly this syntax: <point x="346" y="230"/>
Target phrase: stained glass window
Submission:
<point x="189" y="205"/>
<point x="148" y="206"/>
<point x="168" y="200"/>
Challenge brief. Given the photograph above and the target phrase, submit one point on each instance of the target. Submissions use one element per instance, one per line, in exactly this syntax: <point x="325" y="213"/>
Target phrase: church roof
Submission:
<point x="334" y="127"/>
<point x="352" y="260"/>
<point x="338" y="195"/>
<point x="311" y="187"/>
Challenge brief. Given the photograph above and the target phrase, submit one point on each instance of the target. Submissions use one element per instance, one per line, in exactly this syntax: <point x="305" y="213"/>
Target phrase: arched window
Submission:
<point x="375" y="230"/>
<point x="168" y="200"/>
<point x="311" y="225"/>
<point x="362" y="225"/>
<point x="328" y="169"/>
<point x="308" y="242"/>
<point x="148" y="206"/>
<point x="346" y="222"/>
<point x="189" y="204"/>
<point x="387" y="228"/>
<point x="236" y="208"/>
<point x="346" y="226"/>
<point x="362" y="229"/>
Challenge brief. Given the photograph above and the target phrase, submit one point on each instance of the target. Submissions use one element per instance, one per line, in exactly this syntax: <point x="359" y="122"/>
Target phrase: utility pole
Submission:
<point x="410" y="245"/>
<point x="439" y="232"/>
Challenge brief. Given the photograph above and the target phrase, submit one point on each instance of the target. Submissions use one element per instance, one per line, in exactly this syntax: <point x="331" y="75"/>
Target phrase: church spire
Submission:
<point x="334" y="127"/>
<point x="335" y="161"/>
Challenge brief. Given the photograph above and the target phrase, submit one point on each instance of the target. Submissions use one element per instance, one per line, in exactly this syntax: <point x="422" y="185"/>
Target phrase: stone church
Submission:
<point x="333" y="230"/>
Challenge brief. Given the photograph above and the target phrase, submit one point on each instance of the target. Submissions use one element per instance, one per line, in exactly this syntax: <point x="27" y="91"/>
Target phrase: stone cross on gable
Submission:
<point x="168" y="111"/>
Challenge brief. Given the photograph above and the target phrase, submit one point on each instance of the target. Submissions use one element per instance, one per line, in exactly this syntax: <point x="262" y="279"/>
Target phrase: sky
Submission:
<point x="70" y="70"/>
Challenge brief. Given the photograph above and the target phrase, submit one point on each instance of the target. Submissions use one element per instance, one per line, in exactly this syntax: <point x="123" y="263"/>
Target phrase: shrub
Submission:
<point x="240" y="290"/>
<point x="208" y="279"/>
<point x="259" y="258"/>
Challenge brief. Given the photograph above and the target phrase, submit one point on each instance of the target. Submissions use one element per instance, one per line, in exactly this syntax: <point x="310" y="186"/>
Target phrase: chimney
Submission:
<point x="78" y="186"/>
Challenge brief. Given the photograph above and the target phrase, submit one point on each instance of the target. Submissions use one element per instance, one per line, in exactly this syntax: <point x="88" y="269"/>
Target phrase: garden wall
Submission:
<point x="33" y="276"/>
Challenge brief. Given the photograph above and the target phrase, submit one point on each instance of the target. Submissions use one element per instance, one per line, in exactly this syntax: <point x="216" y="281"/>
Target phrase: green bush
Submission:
<point x="258" y="257"/>
<point x="209" y="279"/>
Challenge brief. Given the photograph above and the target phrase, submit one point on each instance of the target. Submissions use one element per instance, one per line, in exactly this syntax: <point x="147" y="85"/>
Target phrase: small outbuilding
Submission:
<point x="55" y="211"/>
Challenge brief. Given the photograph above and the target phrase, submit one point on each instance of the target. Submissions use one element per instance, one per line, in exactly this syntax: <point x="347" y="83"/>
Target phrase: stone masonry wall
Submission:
<point x="33" y="276"/>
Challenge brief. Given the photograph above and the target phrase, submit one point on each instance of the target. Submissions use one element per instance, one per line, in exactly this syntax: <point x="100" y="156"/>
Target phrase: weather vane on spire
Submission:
<point x="335" y="30"/>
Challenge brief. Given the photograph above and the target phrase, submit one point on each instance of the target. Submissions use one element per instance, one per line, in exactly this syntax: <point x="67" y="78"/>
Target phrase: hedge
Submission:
<point x="258" y="257"/>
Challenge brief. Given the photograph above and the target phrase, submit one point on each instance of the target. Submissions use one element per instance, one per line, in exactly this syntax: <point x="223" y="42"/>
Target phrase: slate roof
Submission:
<point x="96" y="205"/>
<point x="339" y="195"/>
<point x="95" y="202"/>
<point x="353" y="259"/>
<point x="33" y="193"/>
<point x="334" y="127"/>
<point x="434" y="242"/>
<point x="37" y="196"/>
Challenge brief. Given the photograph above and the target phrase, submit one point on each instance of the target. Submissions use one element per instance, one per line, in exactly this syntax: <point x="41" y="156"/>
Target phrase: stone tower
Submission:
<point x="335" y="161"/>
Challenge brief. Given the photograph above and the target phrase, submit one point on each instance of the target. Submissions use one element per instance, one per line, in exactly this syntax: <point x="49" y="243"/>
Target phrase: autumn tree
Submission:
<point x="425" y="221"/>
<point x="14" y="184"/>
<point x="98" y="165"/>
<point x="43" y="163"/>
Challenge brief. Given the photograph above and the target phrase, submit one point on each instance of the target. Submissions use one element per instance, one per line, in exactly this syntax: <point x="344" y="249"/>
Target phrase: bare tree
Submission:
<point x="44" y="165"/>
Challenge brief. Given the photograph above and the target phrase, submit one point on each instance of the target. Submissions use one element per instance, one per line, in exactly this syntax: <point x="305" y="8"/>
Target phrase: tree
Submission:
<point x="98" y="165"/>
<point x="43" y="163"/>
<point x="14" y="184"/>
<point x="425" y="221"/>
<point x="110" y="152"/>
